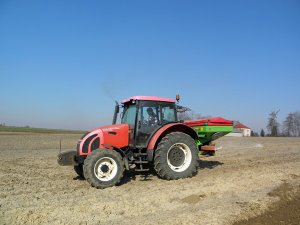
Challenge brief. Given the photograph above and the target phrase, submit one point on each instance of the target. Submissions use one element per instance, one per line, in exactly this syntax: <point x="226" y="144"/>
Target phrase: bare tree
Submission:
<point x="297" y="123"/>
<point x="183" y="116"/>
<point x="182" y="113"/>
<point x="289" y="125"/>
<point x="273" y="124"/>
<point x="197" y="116"/>
<point x="190" y="115"/>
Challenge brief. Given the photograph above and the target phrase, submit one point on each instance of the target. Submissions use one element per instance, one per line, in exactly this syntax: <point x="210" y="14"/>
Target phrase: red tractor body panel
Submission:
<point x="90" y="137"/>
<point x="113" y="135"/>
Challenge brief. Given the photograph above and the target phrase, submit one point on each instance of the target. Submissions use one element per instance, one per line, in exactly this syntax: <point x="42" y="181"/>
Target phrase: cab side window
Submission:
<point x="168" y="113"/>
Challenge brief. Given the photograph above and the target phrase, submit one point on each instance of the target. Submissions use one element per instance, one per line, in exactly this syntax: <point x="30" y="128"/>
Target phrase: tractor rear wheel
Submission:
<point x="103" y="168"/>
<point x="176" y="156"/>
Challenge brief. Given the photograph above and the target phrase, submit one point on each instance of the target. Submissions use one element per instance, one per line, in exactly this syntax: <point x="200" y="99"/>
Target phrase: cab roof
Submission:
<point x="148" y="98"/>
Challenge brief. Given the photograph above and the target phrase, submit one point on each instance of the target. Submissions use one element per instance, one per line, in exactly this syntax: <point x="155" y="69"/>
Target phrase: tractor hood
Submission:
<point x="104" y="137"/>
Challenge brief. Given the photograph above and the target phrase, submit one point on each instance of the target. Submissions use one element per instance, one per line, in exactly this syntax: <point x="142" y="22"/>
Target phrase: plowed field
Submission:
<point x="248" y="177"/>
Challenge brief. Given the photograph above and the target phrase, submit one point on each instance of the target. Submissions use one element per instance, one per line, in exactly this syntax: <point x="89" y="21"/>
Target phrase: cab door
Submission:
<point x="147" y="124"/>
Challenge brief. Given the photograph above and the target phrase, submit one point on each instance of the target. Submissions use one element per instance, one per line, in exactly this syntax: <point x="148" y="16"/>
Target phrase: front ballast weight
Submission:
<point x="67" y="158"/>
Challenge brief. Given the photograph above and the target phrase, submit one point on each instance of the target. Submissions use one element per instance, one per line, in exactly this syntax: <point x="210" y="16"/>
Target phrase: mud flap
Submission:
<point x="207" y="150"/>
<point x="67" y="158"/>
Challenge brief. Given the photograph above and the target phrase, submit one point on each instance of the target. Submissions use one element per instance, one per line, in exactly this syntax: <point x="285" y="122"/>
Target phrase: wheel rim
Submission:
<point x="106" y="169"/>
<point x="179" y="157"/>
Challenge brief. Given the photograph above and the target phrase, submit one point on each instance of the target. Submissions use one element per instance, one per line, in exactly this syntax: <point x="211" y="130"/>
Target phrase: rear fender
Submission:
<point x="163" y="131"/>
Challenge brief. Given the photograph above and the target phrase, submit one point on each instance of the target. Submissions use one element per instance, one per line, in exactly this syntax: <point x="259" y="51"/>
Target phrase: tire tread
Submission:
<point x="88" y="168"/>
<point x="160" y="159"/>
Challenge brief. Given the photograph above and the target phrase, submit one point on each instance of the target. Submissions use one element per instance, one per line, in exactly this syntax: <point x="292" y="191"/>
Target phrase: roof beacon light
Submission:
<point x="177" y="98"/>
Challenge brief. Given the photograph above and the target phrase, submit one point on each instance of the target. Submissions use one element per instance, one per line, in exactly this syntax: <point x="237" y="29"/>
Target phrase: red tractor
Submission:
<point x="149" y="135"/>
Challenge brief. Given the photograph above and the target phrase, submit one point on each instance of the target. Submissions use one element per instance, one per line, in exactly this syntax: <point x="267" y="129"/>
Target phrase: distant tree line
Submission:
<point x="290" y="127"/>
<point x="4" y="125"/>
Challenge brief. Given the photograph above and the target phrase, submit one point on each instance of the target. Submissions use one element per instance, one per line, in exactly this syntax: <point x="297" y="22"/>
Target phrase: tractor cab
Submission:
<point x="145" y="115"/>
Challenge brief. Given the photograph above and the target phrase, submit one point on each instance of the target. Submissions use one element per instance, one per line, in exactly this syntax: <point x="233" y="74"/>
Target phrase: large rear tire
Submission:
<point x="176" y="156"/>
<point x="103" y="168"/>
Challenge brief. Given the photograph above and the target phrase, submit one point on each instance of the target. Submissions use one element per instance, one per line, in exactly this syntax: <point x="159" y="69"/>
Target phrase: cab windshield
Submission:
<point x="129" y="114"/>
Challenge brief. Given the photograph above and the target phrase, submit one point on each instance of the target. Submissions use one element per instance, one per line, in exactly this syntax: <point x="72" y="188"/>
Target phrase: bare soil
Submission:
<point x="248" y="179"/>
<point x="285" y="211"/>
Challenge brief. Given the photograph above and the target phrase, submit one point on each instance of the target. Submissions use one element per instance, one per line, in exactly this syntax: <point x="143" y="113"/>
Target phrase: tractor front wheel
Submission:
<point x="176" y="156"/>
<point x="103" y="168"/>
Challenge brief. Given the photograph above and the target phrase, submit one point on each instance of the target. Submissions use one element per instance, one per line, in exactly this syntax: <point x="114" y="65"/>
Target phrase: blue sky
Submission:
<point x="63" y="63"/>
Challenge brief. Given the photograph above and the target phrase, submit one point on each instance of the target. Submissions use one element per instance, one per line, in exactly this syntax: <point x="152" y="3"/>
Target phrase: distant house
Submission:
<point x="240" y="130"/>
<point x="246" y="131"/>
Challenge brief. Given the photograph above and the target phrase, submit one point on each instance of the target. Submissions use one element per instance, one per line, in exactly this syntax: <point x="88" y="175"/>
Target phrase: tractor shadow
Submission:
<point x="129" y="175"/>
<point x="132" y="175"/>
<point x="78" y="178"/>
<point x="205" y="164"/>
